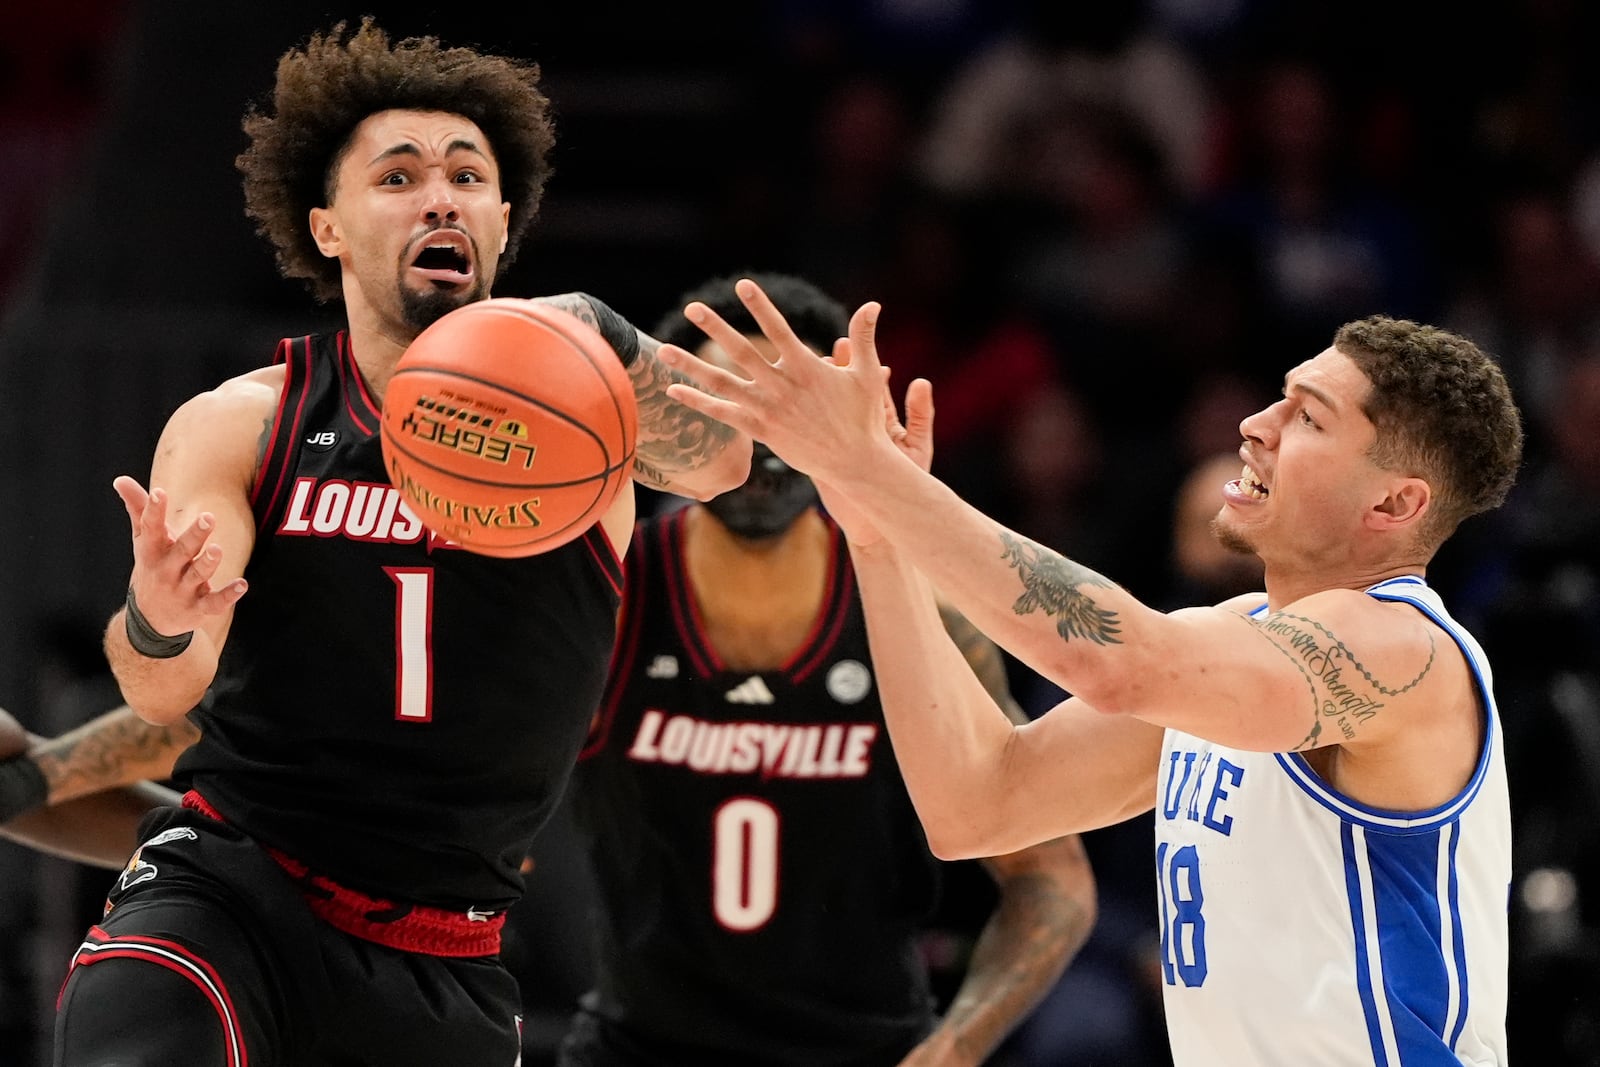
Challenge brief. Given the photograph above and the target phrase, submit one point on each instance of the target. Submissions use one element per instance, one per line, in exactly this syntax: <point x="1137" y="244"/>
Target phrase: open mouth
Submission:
<point x="1251" y="486"/>
<point x="444" y="259"/>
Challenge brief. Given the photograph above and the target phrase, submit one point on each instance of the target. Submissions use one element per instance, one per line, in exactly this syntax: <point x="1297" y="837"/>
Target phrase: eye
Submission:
<point x="1305" y="417"/>
<point x="394" y="177"/>
<point x="468" y="177"/>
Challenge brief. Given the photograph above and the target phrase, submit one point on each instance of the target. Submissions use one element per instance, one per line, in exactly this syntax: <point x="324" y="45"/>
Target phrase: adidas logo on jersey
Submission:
<point x="662" y="667"/>
<point x="751" y="691"/>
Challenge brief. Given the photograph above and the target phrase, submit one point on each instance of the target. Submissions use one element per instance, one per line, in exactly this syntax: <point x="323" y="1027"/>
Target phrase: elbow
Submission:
<point x="959" y="840"/>
<point x="160" y="713"/>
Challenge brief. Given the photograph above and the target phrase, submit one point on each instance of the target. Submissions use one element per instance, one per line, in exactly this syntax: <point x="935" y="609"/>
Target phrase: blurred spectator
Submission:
<point x="1534" y="305"/>
<point x="1543" y="630"/>
<point x="1074" y="54"/>
<point x="1331" y="246"/>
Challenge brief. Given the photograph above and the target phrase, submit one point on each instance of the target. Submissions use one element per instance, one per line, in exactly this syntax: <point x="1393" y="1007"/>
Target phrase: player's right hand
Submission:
<point x="172" y="572"/>
<point x="914" y="437"/>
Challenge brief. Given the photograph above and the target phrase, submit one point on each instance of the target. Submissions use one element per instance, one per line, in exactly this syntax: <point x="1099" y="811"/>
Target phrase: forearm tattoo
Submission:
<point x="1051" y="583"/>
<point x="1342" y="690"/>
<point x="672" y="438"/>
<point x="113" y="751"/>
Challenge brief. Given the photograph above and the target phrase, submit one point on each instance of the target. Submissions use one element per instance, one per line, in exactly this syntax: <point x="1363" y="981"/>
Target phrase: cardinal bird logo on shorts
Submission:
<point x="136" y="871"/>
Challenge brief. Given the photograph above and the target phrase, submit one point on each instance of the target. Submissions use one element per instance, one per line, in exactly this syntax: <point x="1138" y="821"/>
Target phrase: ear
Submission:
<point x="505" y="227"/>
<point x="325" y="230"/>
<point x="1405" y="504"/>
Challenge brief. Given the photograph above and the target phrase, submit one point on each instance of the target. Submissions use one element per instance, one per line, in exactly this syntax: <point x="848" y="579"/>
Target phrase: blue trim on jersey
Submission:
<point x="1412" y="988"/>
<point x="1458" y="946"/>
<point x="1369" y="1005"/>
<point x="1383" y="819"/>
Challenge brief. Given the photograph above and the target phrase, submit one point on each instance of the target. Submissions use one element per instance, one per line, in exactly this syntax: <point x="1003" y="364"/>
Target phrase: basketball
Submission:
<point x="509" y="426"/>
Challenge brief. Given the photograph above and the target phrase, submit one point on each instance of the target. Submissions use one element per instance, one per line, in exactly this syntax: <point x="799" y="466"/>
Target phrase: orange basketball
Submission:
<point x="509" y="426"/>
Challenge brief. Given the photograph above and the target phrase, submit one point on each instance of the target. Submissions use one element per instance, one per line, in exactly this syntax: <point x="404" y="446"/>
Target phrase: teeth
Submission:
<point x="1251" y="486"/>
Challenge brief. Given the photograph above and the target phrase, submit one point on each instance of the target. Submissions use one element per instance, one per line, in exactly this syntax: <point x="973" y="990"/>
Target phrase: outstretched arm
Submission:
<point x="1045" y="911"/>
<point x="1336" y="667"/>
<point x="101" y="830"/>
<point x="680" y="449"/>
<point x="115" y="749"/>
<point x="87" y="794"/>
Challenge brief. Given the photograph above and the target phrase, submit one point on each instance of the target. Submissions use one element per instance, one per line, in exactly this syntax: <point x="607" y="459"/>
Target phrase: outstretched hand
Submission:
<point x="823" y="418"/>
<point x="172" y="572"/>
<point x="914" y="438"/>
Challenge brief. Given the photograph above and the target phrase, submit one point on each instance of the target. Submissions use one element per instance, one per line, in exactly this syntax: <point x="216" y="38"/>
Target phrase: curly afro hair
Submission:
<point x="327" y="87"/>
<point x="1443" y="412"/>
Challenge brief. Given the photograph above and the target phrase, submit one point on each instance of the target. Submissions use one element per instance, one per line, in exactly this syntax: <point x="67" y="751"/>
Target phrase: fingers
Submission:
<point x="768" y="317"/>
<point x="732" y="341"/>
<point x="919" y="422"/>
<point x="189" y="543"/>
<point x="724" y="411"/>
<point x="863" y="336"/>
<point x="217" y="601"/>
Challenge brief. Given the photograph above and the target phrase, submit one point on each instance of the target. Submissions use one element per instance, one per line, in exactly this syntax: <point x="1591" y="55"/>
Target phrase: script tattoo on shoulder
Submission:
<point x="1343" y="691"/>
<point x="1053" y="584"/>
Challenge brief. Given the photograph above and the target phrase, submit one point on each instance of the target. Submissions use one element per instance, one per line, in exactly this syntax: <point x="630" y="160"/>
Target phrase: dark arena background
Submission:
<point x="1102" y="229"/>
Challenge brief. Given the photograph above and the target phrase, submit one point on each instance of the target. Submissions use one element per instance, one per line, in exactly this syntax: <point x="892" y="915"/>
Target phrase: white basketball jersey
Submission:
<point x="1301" y="927"/>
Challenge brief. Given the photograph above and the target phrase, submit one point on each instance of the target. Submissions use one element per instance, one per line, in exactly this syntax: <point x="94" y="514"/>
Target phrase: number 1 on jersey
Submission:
<point x="413" y="643"/>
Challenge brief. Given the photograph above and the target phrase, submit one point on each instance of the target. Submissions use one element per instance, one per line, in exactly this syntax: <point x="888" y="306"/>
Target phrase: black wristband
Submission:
<point x="22" y="787"/>
<point x="617" y="331"/>
<point x="144" y="638"/>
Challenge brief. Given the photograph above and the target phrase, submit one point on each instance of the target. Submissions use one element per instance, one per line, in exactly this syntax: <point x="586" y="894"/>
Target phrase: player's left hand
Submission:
<point x="938" y="1049"/>
<point x="821" y="417"/>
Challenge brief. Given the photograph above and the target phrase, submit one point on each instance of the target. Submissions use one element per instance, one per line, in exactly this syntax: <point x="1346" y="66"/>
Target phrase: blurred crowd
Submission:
<point x="1103" y="230"/>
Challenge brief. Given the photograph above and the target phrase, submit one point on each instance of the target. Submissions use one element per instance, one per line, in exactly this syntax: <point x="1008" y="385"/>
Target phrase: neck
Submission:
<point x="1286" y="585"/>
<point x="377" y="342"/>
<point x="757" y="599"/>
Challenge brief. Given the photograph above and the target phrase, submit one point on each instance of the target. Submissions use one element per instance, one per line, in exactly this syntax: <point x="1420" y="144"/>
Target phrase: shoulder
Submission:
<point x="1379" y="638"/>
<point x="253" y="393"/>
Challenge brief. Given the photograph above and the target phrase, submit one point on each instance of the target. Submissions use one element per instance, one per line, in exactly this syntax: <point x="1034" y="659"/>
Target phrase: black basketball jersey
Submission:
<point x="762" y="873"/>
<point x="395" y="712"/>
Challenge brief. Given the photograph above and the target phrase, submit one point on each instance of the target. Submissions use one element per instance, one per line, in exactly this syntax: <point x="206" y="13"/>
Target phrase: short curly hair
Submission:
<point x="1443" y="412"/>
<point x="328" y="86"/>
<point x="814" y="316"/>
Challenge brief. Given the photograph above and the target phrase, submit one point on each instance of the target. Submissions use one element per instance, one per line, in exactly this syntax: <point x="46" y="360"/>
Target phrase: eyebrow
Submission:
<point x="1316" y="394"/>
<point x="460" y="144"/>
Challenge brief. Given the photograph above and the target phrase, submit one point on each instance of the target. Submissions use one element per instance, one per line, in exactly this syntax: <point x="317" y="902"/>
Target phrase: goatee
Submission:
<point x="423" y="309"/>
<point x="1231" y="539"/>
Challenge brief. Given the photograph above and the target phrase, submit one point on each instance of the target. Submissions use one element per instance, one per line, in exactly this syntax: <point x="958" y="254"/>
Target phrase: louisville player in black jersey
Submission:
<point x="761" y="872"/>
<point x="385" y="719"/>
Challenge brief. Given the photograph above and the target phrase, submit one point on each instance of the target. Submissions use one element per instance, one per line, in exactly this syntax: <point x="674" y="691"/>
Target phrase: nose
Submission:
<point x="440" y="203"/>
<point x="1262" y="427"/>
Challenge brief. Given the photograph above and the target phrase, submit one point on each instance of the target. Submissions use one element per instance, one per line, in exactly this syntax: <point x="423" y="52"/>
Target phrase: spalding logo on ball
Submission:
<point x="509" y="426"/>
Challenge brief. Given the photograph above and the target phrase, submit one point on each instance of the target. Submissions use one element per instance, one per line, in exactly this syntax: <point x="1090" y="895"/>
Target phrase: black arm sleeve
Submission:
<point x="617" y="331"/>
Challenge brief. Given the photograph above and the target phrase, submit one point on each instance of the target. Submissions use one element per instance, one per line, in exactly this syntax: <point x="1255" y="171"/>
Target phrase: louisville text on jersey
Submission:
<point x="772" y="750"/>
<point x="358" y="511"/>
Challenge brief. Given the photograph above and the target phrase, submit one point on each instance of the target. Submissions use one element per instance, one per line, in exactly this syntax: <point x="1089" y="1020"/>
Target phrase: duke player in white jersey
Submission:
<point x="1325" y="761"/>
